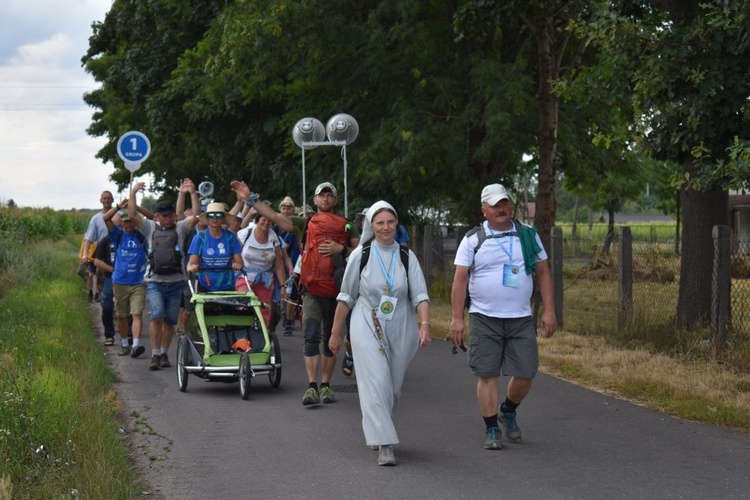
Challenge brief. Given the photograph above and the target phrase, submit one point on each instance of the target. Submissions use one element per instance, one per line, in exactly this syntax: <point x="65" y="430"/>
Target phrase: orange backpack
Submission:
<point x="318" y="271"/>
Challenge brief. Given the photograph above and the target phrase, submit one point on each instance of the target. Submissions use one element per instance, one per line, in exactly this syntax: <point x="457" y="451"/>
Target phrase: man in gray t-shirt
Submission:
<point x="165" y="275"/>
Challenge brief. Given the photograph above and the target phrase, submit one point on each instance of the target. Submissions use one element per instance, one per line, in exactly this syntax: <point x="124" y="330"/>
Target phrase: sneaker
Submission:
<point x="125" y="351"/>
<point x="492" y="441"/>
<point x="311" y="397"/>
<point x="287" y="328"/>
<point x="164" y="360"/>
<point x="96" y="297"/>
<point x="91" y="296"/>
<point x="386" y="456"/>
<point x="347" y="365"/>
<point x="512" y="431"/>
<point x="137" y="351"/>
<point x="326" y="395"/>
<point x="155" y="365"/>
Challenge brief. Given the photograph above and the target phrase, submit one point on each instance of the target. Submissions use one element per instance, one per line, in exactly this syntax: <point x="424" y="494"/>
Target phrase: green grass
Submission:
<point x="59" y="428"/>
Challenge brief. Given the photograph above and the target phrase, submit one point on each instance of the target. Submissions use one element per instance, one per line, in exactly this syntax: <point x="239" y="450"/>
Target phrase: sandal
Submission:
<point x="109" y="342"/>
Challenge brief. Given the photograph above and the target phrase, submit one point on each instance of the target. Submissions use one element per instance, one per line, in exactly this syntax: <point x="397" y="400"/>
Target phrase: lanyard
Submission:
<point x="508" y="252"/>
<point x="390" y="275"/>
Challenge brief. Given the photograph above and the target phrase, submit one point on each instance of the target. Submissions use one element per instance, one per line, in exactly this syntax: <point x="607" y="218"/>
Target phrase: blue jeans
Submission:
<point x="164" y="300"/>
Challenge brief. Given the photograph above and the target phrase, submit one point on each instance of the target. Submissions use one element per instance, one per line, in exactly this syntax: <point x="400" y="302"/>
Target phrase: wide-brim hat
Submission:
<point x="214" y="208"/>
<point x="287" y="202"/>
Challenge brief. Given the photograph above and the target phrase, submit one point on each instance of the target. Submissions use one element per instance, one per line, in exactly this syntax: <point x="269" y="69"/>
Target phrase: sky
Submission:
<point x="46" y="157"/>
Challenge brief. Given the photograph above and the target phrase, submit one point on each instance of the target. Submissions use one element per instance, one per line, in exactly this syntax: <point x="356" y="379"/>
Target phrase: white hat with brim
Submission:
<point x="213" y="208"/>
<point x="494" y="193"/>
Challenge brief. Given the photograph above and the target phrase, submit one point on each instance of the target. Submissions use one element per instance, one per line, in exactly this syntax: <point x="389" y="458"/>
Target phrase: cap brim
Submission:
<point x="496" y="199"/>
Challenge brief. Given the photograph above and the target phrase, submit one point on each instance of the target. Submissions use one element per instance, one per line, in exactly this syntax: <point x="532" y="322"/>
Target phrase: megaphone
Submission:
<point x="342" y="127"/>
<point x="206" y="189"/>
<point x="308" y="130"/>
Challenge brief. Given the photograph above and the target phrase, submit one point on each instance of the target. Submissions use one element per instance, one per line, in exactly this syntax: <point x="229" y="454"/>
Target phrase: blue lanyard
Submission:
<point x="388" y="276"/>
<point x="509" y="253"/>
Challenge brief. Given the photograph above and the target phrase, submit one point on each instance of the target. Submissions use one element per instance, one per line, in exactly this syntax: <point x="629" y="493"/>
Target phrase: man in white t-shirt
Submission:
<point x="95" y="231"/>
<point x="497" y="262"/>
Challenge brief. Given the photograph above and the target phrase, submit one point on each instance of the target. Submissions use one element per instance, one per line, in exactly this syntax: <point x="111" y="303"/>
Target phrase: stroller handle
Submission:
<point x="191" y="275"/>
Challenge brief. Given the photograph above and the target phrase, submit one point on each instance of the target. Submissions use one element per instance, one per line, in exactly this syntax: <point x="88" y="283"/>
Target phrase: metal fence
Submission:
<point x="592" y="281"/>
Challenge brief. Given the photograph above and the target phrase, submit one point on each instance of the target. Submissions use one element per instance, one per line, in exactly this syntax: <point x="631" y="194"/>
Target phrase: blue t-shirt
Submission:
<point x="215" y="253"/>
<point x="292" y="243"/>
<point x="130" y="257"/>
<point x="402" y="235"/>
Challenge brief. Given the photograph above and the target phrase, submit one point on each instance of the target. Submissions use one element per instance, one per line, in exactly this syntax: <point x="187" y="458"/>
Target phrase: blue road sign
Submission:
<point x="133" y="147"/>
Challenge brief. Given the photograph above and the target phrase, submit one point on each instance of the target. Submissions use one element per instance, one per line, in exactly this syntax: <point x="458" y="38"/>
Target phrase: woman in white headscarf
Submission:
<point x="385" y="332"/>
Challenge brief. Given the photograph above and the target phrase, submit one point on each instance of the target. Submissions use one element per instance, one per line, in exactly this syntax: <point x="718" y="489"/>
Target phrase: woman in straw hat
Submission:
<point x="215" y="254"/>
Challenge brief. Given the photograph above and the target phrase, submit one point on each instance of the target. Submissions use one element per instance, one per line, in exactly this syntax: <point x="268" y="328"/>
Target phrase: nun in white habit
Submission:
<point x="390" y="321"/>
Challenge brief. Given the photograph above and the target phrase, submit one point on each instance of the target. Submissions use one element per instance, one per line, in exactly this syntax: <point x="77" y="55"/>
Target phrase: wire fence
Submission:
<point x="591" y="281"/>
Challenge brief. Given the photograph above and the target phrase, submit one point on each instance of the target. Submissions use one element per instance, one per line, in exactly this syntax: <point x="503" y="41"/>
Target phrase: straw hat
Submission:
<point x="287" y="202"/>
<point x="214" y="208"/>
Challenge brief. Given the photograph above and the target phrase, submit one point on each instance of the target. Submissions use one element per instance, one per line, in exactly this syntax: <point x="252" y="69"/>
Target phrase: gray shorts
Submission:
<point x="502" y="346"/>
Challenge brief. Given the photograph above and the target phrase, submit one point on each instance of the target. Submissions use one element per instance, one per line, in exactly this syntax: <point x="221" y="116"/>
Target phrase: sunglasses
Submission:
<point x="215" y="215"/>
<point x="455" y="348"/>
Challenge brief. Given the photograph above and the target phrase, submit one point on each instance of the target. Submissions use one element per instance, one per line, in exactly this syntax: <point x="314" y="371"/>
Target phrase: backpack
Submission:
<point x="403" y="252"/>
<point x="165" y="256"/>
<point x="318" y="271"/>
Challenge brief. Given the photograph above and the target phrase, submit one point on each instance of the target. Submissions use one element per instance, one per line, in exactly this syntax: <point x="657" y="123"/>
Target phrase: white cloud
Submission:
<point x="46" y="157"/>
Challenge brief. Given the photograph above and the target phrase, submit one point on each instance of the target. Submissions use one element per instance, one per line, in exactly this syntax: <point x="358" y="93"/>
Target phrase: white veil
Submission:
<point x="367" y="233"/>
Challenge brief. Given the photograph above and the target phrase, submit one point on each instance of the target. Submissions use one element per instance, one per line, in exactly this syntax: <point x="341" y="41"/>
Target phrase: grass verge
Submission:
<point x="59" y="431"/>
<point x="684" y="386"/>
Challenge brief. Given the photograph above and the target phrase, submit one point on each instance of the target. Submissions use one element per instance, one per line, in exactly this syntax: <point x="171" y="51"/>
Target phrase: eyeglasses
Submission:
<point x="215" y="215"/>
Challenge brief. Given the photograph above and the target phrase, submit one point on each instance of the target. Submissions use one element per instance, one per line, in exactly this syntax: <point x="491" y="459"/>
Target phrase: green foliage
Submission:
<point x="58" y="418"/>
<point x="34" y="224"/>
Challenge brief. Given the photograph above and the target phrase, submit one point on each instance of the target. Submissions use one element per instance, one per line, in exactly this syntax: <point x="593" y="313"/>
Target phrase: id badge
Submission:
<point x="511" y="276"/>
<point x="387" y="307"/>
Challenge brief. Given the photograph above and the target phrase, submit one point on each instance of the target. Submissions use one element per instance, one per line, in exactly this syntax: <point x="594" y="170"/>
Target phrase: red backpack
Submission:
<point x="318" y="271"/>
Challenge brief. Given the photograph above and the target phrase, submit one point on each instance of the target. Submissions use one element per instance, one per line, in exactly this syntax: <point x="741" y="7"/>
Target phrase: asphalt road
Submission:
<point x="578" y="444"/>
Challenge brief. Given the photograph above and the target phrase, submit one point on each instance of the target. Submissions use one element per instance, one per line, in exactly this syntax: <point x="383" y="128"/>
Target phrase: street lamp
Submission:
<point x="308" y="133"/>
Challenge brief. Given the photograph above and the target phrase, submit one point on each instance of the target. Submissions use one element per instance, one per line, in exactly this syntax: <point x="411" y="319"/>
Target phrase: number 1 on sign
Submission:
<point x="134" y="142"/>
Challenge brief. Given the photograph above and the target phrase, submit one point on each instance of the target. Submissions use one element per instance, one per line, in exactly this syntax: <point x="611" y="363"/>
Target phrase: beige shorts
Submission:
<point x="129" y="299"/>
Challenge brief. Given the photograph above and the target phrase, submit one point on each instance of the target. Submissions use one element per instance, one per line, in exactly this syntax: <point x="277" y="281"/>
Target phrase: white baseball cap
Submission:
<point x="494" y="193"/>
<point x="324" y="186"/>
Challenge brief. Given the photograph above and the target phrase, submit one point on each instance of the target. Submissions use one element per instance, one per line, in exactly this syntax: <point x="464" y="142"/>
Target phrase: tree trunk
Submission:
<point x="610" y="228"/>
<point x="574" y="231"/>
<point x="701" y="211"/>
<point x="548" y="115"/>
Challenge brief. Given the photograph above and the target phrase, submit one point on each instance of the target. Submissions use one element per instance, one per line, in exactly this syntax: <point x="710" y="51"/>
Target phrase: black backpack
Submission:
<point x="403" y="252"/>
<point x="165" y="256"/>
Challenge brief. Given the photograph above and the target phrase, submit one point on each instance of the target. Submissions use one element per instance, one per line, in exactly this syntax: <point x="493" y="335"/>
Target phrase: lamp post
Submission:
<point x="308" y="133"/>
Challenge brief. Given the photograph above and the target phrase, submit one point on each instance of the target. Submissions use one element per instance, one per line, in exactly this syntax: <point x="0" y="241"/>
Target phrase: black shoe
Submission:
<point x="96" y="298"/>
<point x="137" y="351"/>
<point x="91" y="296"/>
<point x="155" y="364"/>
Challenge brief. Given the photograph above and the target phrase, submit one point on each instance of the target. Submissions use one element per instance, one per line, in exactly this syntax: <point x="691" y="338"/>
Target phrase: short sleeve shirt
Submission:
<point x="489" y="296"/>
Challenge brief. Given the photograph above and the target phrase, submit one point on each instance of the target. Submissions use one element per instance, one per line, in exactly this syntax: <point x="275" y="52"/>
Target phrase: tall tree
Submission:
<point x="690" y="82"/>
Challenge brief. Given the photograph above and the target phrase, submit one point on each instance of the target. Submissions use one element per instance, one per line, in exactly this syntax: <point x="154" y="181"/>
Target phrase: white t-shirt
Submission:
<point x="256" y="256"/>
<point x="489" y="296"/>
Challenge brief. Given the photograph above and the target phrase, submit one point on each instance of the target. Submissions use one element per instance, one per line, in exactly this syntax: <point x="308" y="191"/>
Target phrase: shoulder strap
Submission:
<point x="481" y="237"/>
<point x="365" y="255"/>
<point x="403" y="253"/>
